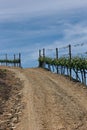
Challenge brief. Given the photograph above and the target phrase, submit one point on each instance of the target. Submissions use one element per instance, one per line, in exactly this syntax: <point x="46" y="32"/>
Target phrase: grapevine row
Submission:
<point x="77" y="63"/>
<point x="10" y="61"/>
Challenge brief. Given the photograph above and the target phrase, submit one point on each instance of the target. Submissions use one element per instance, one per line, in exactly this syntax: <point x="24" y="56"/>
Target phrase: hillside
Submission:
<point x="11" y="104"/>
<point x="48" y="101"/>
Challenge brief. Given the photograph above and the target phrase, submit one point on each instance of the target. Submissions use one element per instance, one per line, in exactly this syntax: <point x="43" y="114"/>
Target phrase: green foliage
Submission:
<point x="10" y="61"/>
<point x="75" y="63"/>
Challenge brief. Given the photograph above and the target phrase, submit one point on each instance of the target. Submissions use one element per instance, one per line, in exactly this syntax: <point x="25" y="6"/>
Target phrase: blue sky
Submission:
<point x="29" y="25"/>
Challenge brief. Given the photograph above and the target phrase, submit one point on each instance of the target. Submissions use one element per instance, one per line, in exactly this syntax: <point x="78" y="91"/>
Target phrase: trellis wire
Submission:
<point x="60" y="53"/>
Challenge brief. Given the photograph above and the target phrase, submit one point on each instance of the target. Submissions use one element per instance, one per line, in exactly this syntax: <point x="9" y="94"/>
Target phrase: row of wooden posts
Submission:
<point x="16" y="61"/>
<point x="42" y="53"/>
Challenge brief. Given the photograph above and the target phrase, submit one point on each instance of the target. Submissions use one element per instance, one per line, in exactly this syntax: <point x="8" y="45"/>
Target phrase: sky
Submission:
<point x="29" y="25"/>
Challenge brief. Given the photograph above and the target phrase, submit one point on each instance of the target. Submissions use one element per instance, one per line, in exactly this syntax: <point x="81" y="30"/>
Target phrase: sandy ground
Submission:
<point x="52" y="101"/>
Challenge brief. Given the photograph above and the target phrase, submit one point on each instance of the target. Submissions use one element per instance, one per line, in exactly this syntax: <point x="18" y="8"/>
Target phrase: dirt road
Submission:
<point x="52" y="102"/>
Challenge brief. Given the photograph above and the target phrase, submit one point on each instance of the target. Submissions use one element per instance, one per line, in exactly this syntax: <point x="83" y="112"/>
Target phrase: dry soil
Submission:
<point x="52" y="102"/>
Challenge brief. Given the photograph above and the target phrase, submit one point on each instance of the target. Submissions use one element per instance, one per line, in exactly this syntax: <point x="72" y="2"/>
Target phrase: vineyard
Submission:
<point x="73" y="66"/>
<point x="9" y="60"/>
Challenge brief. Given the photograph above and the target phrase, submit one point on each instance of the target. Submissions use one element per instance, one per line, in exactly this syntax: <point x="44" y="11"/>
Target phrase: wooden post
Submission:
<point x="57" y="59"/>
<point x="43" y="52"/>
<point x="40" y="64"/>
<point x="14" y="60"/>
<point x="70" y="61"/>
<point x="84" y="77"/>
<point x="39" y="53"/>
<point x="6" y="59"/>
<point x="43" y="57"/>
<point x="20" y="60"/>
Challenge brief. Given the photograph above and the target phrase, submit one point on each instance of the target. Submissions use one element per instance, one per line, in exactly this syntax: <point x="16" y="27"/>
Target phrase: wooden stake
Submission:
<point x="70" y="61"/>
<point x="20" y="60"/>
<point x="57" y="59"/>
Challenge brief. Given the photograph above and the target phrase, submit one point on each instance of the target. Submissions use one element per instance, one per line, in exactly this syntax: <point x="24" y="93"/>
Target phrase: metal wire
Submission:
<point x="81" y="44"/>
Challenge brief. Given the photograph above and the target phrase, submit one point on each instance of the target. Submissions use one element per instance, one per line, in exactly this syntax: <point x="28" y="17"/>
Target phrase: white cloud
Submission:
<point x="76" y="32"/>
<point x="21" y="8"/>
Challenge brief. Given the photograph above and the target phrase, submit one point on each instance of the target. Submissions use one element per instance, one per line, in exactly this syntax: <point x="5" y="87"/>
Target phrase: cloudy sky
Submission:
<point x="29" y="25"/>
